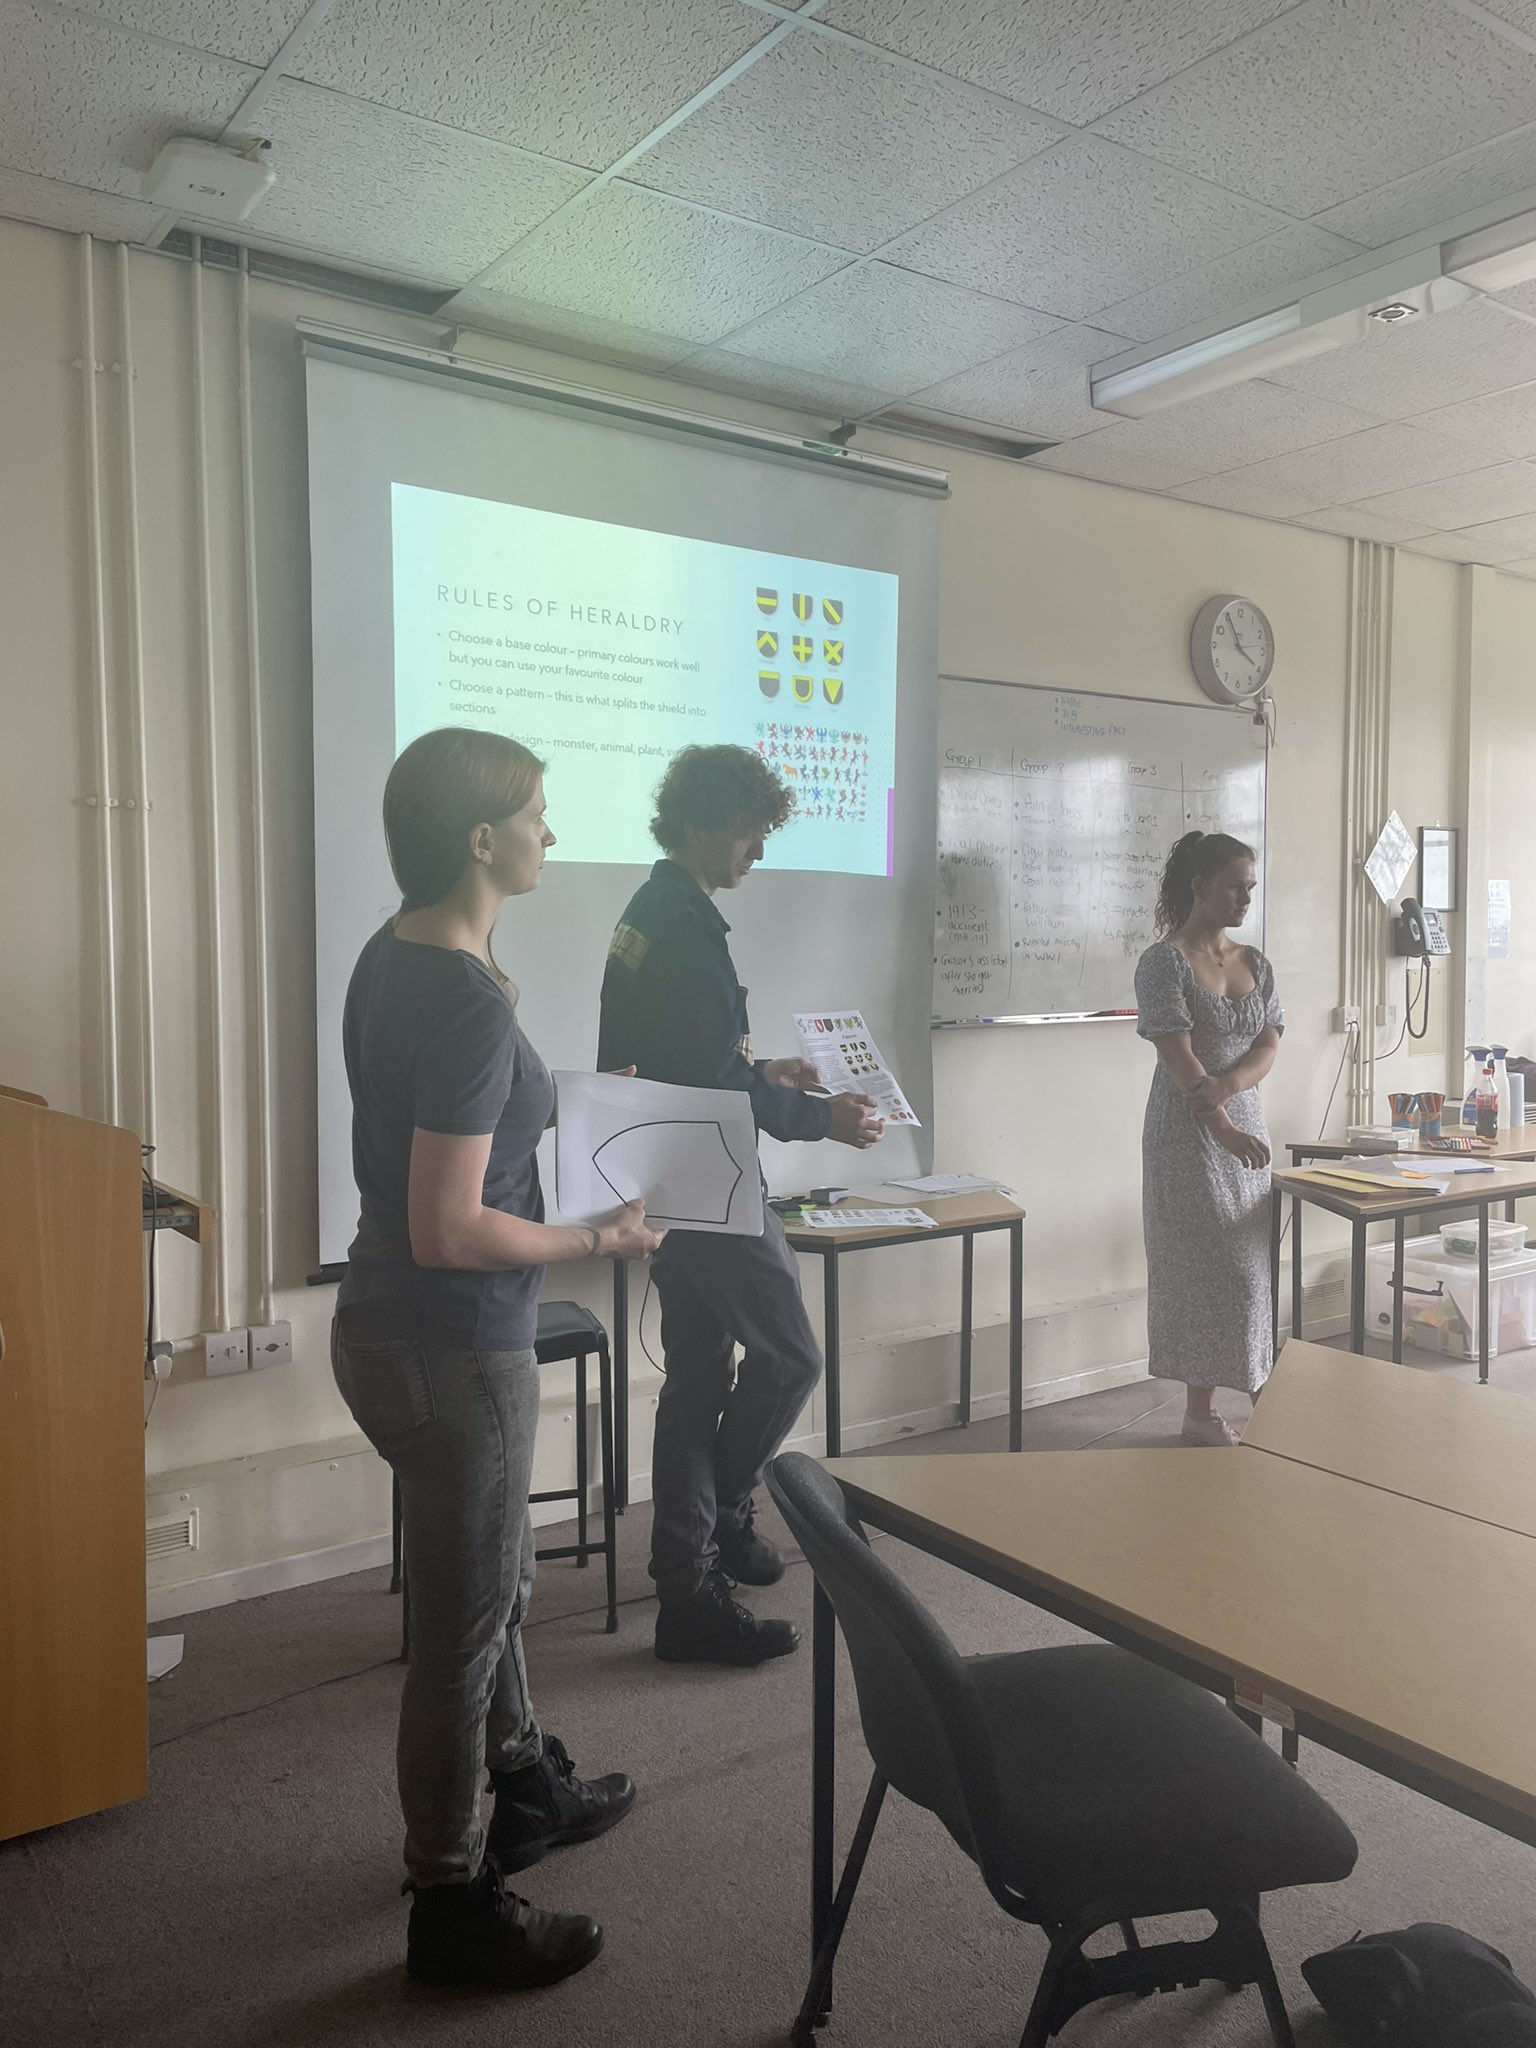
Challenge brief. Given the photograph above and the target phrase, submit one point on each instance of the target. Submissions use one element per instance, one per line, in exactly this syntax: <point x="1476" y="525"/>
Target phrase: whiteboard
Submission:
<point x="1057" y="812"/>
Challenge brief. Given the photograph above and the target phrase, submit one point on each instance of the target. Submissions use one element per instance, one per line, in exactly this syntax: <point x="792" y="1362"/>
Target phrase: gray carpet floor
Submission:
<point x="253" y="1896"/>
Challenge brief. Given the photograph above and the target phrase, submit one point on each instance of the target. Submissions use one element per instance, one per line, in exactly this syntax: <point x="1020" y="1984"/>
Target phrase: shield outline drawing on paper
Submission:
<point x="701" y="1124"/>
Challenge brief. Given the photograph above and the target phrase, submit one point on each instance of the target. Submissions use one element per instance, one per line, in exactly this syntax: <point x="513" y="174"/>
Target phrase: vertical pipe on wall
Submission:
<point x="134" y="601"/>
<point x="101" y="799"/>
<point x="260" y="973"/>
<point x="215" y="920"/>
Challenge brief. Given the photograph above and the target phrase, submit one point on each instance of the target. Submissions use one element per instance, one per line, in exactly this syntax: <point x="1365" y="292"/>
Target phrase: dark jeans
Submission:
<point x="457" y="1426"/>
<point x="718" y="1424"/>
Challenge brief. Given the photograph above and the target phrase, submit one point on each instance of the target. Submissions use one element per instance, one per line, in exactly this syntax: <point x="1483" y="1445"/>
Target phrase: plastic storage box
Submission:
<point x="1459" y="1240"/>
<point x="1440" y="1298"/>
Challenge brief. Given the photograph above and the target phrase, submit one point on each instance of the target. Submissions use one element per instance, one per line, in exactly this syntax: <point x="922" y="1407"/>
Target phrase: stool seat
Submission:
<point x="565" y="1328"/>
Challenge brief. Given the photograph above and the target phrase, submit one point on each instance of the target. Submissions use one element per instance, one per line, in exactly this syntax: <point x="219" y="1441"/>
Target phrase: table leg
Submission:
<point x="1016" y="1335"/>
<point x="1509" y="1210"/>
<point x="1397" y="1291"/>
<point x="1484" y="1335"/>
<point x="1296" y="1329"/>
<point x="1290" y="1745"/>
<point x="1276" y="1207"/>
<point x="621" y="1385"/>
<point x="967" y="1303"/>
<point x="833" y="1344"/>
<point x="1357" y="1288"/>
<point x="823" y="1761"/>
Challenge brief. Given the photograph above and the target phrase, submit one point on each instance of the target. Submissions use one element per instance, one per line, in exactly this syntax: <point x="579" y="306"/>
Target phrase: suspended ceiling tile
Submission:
<point x="1502" y="422"/>
<point x="718" y="369"/>
<point x="254" y="31"/>
<point x="580" y="82"/>
<point x="1475" y="499"/>
<point x="1503" y="540"/>
<point x="91" y="105"/>
<point x="900" y="330"/>
<point x="358" y="181"/>
<point x="1072" y="58"/>
<point x="658" y="265"/>
<point x="1277" y="265"/>
<point x="1355" y="523"/>
<point x="829" y="141"/>
<point x="1420" y="366"/>
<point x="1335" y="98"/>
<point x="1225" y="430"/>
<point x="1118" y="455"/>
<point x="1526" y="569"/>
<point x="75" y="210"/>
<point x="1519" y="14"/>
<point x="567" y="333"/>
<point x="1378" y="459"/>
<point x="1478" y="177"/>
<point x="1465" y="547"/>
<point x="1040" y="390"/>
<point x="1520" y="298"/>
<point x="1079" y="227"/>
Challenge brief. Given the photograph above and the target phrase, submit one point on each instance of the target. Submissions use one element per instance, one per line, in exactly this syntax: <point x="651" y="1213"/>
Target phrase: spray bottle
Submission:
<point x="1488" y="1102"/>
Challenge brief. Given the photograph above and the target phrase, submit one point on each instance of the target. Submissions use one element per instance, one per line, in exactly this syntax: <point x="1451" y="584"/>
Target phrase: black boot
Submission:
<point x="476" y="1933"/>
<point x="709" y="1627"/>
<point x="746" y="1555"/>
<point x="545" y="1806"/>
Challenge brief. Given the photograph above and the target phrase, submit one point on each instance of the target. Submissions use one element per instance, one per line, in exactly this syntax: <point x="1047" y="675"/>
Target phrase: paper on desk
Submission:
<point x="951" y="1184"/>
<point x="868" y="1219"/>
<point x="690" y="1154"/>
<point x="842" y="1049"/>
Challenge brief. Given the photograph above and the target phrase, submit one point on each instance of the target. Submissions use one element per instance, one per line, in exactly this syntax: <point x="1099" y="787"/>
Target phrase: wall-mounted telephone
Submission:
<point x="1418" y="934"/>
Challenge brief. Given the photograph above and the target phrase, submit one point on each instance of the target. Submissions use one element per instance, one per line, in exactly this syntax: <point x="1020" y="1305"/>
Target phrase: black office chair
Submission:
<point x="1091" y="1788"/>
<point x="565" y="1331"/>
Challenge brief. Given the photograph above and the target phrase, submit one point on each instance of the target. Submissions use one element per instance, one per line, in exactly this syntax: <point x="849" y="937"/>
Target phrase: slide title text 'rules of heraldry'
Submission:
<point x="552" y="608"/>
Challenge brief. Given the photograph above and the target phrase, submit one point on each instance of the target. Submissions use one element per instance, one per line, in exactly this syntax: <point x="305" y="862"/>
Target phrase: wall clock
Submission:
<point x="1232" y="649"/>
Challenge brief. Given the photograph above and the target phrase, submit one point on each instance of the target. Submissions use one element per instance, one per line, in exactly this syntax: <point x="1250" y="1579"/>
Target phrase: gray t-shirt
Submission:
<point x="432" y="1042"/>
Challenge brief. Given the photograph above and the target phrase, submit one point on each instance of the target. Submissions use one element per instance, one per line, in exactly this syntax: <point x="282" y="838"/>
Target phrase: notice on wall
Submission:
<point x="1498" y="920"/>
<point x="1390" y="858"/>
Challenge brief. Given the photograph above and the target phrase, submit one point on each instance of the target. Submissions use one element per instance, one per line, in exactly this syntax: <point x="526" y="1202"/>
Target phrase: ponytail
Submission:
<point x="1197" y="856"/>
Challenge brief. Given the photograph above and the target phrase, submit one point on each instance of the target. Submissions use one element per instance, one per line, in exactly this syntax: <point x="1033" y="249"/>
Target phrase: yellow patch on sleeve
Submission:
<point x="629" y="947"/>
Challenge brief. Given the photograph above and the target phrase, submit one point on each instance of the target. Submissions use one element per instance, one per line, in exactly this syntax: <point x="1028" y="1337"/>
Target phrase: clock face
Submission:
<point x="1233" y="649"/>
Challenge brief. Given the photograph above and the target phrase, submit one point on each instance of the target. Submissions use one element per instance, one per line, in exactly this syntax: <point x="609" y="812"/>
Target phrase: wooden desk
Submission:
<point x="1395" y="1204"/>
<point x="1412" y="1433"/>
<point x="1230" y="1571"/>
<point x="964" y="1216"/>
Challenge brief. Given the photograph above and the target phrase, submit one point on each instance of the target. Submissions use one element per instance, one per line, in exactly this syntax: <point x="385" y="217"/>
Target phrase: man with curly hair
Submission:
<point x="673" y="1009"/>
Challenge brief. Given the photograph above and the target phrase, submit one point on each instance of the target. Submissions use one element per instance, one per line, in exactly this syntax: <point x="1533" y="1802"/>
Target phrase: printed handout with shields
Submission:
<point x="690" y="1154"/>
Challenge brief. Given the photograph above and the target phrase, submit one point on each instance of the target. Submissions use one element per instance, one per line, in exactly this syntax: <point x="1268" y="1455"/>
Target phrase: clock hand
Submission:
<point x="1242" y="650"/>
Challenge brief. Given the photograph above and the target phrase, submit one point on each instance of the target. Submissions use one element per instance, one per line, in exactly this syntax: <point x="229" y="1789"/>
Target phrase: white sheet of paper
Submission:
<point x="1390" y="858"/>
<point x="868" y="1219"/>
<point x="951" y="1184"/>
<point x="839" y="1045"/>
<point x="690" y="1154"/>
<point x="163" y="1654"/>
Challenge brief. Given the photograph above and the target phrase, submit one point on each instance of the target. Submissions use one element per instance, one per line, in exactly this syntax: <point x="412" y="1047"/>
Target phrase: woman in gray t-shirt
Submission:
<point x="433" y="1351"/>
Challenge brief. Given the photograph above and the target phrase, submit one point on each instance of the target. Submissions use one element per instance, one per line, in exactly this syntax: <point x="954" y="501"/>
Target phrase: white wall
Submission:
<point x="1045" y="579"/>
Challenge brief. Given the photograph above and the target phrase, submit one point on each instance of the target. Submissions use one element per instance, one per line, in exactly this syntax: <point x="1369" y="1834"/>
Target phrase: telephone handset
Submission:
<point x="1418" y="934"/>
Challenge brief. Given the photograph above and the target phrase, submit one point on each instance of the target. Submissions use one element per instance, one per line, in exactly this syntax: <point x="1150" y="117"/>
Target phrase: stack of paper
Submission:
<point x="951" y="1184"/>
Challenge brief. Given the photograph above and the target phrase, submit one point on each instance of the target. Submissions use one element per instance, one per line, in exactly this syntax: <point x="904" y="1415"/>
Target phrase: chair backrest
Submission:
<point x="919" y="1714"/>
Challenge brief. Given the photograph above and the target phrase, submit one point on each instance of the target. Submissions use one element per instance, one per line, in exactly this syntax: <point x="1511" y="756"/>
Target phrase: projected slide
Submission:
<point x="607" y="648"/>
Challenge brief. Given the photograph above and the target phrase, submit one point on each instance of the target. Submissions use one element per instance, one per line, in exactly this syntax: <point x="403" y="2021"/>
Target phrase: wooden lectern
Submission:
<point x="73" y="1694"/>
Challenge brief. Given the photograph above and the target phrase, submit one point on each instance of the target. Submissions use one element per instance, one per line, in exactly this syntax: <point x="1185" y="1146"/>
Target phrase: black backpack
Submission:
<point x="1424" y="1986"/>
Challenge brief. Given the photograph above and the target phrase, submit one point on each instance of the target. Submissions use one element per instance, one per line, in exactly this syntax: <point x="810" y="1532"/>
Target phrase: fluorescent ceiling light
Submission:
<point x="1272" y="342"/>
<point x="1494" y="258"/>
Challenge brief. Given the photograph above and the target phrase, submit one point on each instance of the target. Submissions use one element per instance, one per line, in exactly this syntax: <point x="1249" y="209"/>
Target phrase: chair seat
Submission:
<point x="1120" y="1780"/>
<point x="566" y="1328"/>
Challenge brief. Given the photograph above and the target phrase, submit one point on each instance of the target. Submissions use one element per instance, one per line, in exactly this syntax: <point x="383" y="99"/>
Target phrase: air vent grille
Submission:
<point x="171" y="1535"/>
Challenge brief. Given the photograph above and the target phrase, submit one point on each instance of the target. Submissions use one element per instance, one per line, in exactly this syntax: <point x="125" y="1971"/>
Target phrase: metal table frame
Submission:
<point x="832" y="1250"/>
<point x="1359" y="1217"/>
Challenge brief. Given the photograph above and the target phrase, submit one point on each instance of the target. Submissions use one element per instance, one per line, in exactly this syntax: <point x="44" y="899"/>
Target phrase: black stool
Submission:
<point x="566" y="1330"/>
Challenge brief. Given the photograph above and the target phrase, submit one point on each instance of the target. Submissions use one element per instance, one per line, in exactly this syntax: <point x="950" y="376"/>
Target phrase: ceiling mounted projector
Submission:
<point x="207" y="180"/>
